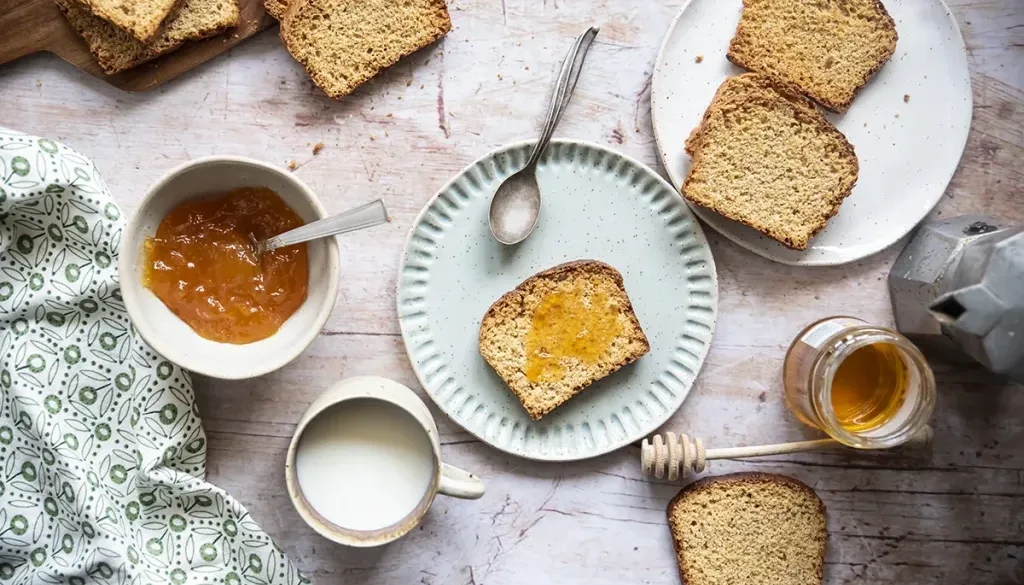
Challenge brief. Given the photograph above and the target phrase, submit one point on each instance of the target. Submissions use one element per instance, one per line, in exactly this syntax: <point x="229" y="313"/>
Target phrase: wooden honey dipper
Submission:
<point x="676" y="453"/>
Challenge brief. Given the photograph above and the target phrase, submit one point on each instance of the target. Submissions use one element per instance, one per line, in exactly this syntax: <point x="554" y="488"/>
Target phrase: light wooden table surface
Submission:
<point x="955" y="515"/>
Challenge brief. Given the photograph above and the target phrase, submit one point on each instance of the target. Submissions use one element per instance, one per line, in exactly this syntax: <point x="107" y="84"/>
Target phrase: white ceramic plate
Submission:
<point x="597" y="204"/>
<point x="908" y="151"/>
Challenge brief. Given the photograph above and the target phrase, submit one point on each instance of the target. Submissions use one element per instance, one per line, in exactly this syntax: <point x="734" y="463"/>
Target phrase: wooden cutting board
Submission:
<point x="31" y="26"/>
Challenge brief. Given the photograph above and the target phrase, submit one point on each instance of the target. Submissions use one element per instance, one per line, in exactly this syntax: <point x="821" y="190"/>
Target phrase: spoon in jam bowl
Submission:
<point x="364" y="216"/>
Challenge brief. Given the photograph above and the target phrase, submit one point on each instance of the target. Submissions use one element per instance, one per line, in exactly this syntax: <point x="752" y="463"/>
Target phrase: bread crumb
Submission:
<point x="421" y="86"/>
<point x="318" y="147"/>
<point x="39" y="83"/>
<point x="906" y="97"/>
<point x="372" y="137"/>
<point x="292" y="165"/>
<point x="527" y="67"/>
<point x="500" y="77"/>
<point x="390" y="114"/>
<point x="408" y="83"/>
<point x="897" y="114"/>
<point x="699" y="58"/>
<point x="865" y="124"/>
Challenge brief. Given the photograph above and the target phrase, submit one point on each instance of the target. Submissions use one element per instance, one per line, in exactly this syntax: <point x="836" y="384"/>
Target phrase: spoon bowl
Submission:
<point x="515" y="207"/>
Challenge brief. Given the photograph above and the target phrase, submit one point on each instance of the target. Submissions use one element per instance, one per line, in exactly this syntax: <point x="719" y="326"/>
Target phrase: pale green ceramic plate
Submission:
<point x="597" y="204"/>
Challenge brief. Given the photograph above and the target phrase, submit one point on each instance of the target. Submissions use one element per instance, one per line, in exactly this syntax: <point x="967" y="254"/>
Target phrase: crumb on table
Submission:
<point x="292" y="165"/>
<point x="699" y="58"/>
<point x="318" y="147"/>
<point x="906" y="97"/>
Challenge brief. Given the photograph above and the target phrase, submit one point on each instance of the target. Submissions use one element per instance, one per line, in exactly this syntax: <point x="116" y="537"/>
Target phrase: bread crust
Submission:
<point x="561" y="272"/>
<point x="742" y="477"/>
<point x="839" y="107"/>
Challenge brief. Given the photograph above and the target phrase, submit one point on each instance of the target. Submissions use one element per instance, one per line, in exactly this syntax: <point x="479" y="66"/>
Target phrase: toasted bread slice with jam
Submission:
<point x="560" y="331"/>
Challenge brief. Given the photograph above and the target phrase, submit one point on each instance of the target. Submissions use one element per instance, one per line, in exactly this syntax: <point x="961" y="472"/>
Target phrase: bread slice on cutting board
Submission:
<point x="142" y="19"/>
<point x="117" y="51"/>
<point x="764" y="156"/>
<point x="750" y="529"/>
<point x="559" y="331"/>
<point x="343" y="43"/>
<point x="827" y="49"/>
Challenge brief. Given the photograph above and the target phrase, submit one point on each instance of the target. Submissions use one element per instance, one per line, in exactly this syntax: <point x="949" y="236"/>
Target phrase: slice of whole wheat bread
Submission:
<point x="829" y="49"/>
<point x="748" y="528"/>
<point x="142" y="19"/>
<point x="117" y="51"/>
<point x="506" y="327"/>
<point x="343" y="43"/>
<point x="276" y="8"/>
<point x="764" y="156"/>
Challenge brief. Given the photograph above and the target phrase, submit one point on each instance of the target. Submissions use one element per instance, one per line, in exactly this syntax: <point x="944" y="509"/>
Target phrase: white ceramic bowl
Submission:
<point x="168" y="334"/>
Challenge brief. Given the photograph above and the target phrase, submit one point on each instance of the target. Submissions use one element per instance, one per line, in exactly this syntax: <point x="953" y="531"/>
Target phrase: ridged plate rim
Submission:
<point x="470" y="180"/>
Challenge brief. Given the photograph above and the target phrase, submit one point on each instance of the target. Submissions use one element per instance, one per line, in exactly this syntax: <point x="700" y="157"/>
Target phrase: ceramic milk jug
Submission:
<point x="958" y="286"/>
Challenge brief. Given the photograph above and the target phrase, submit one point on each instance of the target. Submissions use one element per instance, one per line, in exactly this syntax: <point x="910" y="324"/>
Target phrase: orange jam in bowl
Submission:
<point x="202" y="265"/>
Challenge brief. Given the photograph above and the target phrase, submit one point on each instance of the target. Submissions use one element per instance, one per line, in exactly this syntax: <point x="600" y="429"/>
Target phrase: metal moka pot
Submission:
<point x="958" y="288"/>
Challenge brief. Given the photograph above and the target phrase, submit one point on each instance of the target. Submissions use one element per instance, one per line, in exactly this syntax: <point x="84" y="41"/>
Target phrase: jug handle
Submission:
<point x="459" y="484"/>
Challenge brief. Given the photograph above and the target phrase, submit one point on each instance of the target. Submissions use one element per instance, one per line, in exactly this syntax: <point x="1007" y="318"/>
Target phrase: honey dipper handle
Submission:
<point x="776" y="449"/>
<point x="680" y="455"/>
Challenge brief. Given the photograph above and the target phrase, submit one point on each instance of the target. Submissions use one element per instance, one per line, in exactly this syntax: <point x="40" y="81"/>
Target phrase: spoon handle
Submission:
<point x="568" y="75"/>
<point x="369" y="215"/>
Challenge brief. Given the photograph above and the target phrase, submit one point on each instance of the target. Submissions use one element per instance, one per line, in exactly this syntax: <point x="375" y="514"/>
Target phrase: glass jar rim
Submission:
<point x="842" y="345"/>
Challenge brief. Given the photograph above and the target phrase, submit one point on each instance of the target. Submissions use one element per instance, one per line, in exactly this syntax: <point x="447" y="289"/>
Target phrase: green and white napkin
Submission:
<point x="102" y="453"/>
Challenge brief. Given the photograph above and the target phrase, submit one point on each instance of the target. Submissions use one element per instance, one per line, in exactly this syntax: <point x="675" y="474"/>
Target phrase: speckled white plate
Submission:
<point x="908" y="151"/>
<point x="597" y="204"/>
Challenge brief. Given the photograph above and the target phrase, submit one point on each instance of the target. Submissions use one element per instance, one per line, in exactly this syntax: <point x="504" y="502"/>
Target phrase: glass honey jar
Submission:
<point x="866" y="386"/>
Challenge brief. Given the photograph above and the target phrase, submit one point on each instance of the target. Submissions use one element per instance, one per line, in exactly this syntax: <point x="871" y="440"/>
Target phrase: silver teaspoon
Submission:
<point x="369" y="215"/>
<point x="515" y="207"/>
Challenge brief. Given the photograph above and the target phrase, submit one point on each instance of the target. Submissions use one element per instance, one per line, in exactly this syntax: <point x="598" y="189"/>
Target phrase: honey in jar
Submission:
<point x="202" y="265"/>
<point x="569" y="323"/>
<point x="866" y="386"/>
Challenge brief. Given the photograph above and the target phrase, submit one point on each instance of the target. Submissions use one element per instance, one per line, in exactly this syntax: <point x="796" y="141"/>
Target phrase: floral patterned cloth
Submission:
<point x="102" y="454"/>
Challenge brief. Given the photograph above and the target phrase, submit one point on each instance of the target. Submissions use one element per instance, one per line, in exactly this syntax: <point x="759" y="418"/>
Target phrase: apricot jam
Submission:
<point x="202" y="265"/>
<point x="570" y="323"/>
